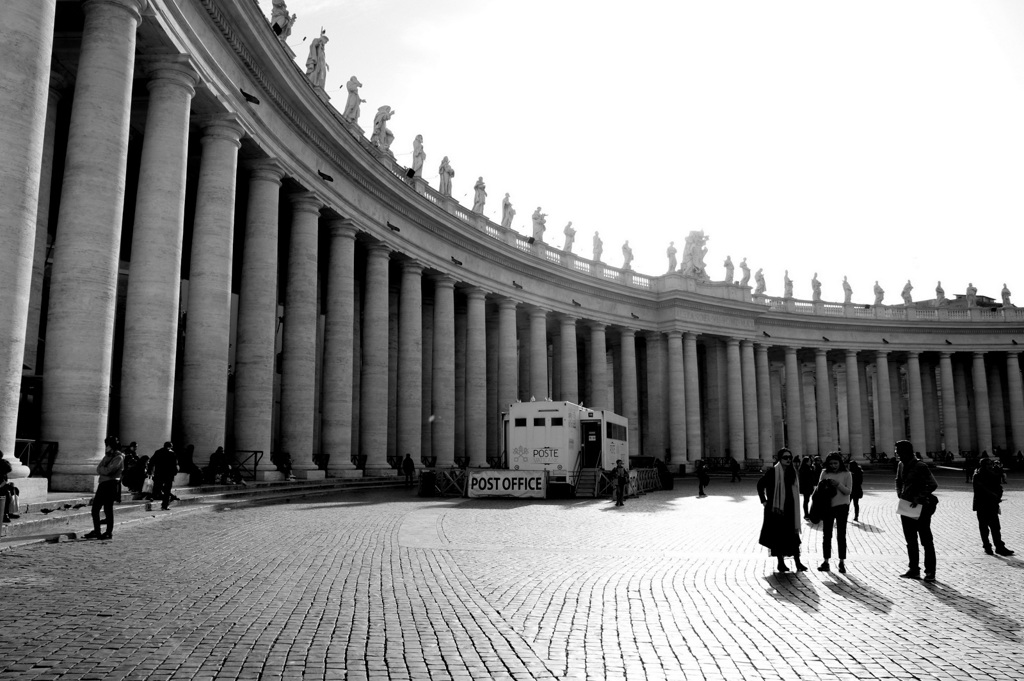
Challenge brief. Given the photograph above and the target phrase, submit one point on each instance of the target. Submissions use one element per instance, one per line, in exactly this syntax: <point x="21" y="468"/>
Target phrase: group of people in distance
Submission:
<point x="839" y="483"/>
<point x="150" y="477"/>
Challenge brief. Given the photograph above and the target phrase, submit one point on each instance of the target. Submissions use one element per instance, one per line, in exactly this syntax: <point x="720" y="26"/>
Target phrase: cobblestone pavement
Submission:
<point x="388" y="585"/>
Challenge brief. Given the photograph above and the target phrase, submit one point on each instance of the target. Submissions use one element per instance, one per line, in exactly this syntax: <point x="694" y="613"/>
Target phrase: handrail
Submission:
<point x="254" y="456"/>
<point x="37" y="455"/>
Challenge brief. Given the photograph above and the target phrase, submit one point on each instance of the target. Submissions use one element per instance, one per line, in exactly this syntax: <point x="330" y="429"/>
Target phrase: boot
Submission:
<point x="824" y="567"/>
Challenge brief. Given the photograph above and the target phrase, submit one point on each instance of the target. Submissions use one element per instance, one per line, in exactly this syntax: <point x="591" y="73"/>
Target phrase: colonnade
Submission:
<point x="241" y="304"/>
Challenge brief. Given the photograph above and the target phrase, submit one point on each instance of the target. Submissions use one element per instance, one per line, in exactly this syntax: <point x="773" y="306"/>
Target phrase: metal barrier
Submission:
<point x="451" y="482"/>
<point x="37" y="455"/>
<point x="248" y="461"/>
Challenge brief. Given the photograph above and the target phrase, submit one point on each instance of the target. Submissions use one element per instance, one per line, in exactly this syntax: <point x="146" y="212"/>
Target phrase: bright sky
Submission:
<point x="878" y="139"/>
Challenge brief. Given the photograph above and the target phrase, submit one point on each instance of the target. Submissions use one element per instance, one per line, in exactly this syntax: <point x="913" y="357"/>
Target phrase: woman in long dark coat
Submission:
<point x="779" y="491"/>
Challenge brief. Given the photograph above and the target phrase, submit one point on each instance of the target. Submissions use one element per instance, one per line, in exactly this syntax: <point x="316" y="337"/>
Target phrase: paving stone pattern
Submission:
<point x="383" y="584"/>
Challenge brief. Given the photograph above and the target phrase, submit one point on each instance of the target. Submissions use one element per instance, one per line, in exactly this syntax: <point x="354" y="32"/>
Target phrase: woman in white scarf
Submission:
<point x="779" y="490"/>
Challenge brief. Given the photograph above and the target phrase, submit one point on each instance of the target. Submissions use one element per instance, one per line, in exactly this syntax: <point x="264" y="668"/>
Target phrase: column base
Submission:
<point x="270" y="476"/>
<point x="181" y="480"/>
<point x="379" y="472"/>
<point x="315" y="474"/>
<point x="346" y="473"/>
<point x="72" y="482"/>
<point x="31" y="490"/>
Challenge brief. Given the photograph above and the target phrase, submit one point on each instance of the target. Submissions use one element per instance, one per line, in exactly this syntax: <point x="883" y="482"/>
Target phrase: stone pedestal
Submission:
<point x="181" y="480"/>
<point x="347" y="473"/>
<point x="270" y="476"/>
<point x="31" y="490"/>
<point x="311" y="475"/>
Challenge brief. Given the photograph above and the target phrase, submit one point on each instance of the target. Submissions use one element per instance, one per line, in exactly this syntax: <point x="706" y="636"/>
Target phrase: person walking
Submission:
<point x="409" y="468"/>
<point x="109" y="469"/>
<point x="779" y="492"/>
<point x="701" y="471"/>
<point x="836" y="475"/>
<point x="734" y="470"/>
<point x="163" y="467"/>
<point x="621" y="477"/>
<point x="915" y="484"/>
<point x="808" y="480"/>
<point x="988" y="493"/>
<point x="858" y="486"/>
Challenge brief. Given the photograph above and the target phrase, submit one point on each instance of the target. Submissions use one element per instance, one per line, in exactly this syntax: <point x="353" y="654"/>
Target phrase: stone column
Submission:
<point x="853" y="409"/>
<point x="298" y="357"/>
<point x="694" y="441"/>
<point x="794" y="408"/>
<point x="208" y="319"/>
<point x="967" y="433"/>
<point x="630" y="398"/>
<point x="883" y="394"/>
<point x="28" y="28"/>
<point x="443" y="430"/>
<point x="508" y="364"/>
<point x="734" y="397"/>
<point x="810" y="405"/>
<point x="339" y="340"/>
<point x="410" y="361"/>
<point x="35" y="301"/>
<point x="598" y="368"/>
<point x="982" y="416"/>
<point x="930" y="393"/>
<point x="538" y="354"/>
<point x="83" y="287"/>
<point x="823" y="397"/>
<point x="151" y="306"/>
<point x="476" y="377"/>
<point x="950" y="429"/>
<point x="997" y="405"/>
<point x="459" y="384"/>
<point x="917" y="436"/>
<point x="567" y="358"/>
<point x="676" y="398"/>
<point x="764" y="404"/>
<point x="654" y="442"/>
<point x="255" y="349"/>
<point x="899" y="426"/>
<point x="1015" y="389"/>
<point x="751" y="432"/>
<point x="373" y="397"/>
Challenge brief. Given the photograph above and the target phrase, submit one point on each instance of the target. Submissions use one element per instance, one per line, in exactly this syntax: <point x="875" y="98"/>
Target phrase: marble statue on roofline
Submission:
<point x="316" y="62"/>
<point x="729" y="269"/>
<point x="1006" y="296"/>
<point x="787" y="286"/>
<point x="444" y="183"/>
<point x="382" y="137"/>
<point x="745" y="269"/>
<point x="627" y="256"/>
<point x="972" y="295"/>
<point x="540" y="224"/>
<point x="760" y="285"/>
<point x="940" y="294"/>
<point x="671" y="253"/>
<point x="570" y="237"/>
<point x="815" y="288"/>
<point x="418" y="156"/>
<point x="280" y="21"/>
<point x="879" y="293"/>
<point x="351" y="112"/>
<point x="847" y="291"/>
<point x="693" y="256"/>
<point x="507" y="212"/>
<point x="907" y="288"/>
<point x="598" y="247"/>
<point x="479" y="196"/>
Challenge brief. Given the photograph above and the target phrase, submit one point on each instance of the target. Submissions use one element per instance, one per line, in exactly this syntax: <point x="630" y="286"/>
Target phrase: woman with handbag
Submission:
<point x="779" y="491"/>
<point x="835" y="515"/>
<point x="914" y="487"/>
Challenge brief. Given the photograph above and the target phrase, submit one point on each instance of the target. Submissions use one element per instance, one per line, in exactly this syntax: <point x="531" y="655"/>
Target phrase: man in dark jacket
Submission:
<point x="409" y="468"/>
<point x="163" y="467"/>
<point x="915" y="484"/>
<point x="988" y="492"/>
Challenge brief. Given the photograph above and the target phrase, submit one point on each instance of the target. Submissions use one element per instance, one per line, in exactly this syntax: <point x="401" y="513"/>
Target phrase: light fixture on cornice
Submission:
<point x="252" y="99"/>
<point x="825" y="339"/>
<point x="1013" y="341"/>
<point x="766" y="334"/>
<point x="456" y="261"/>
<point x="885" y="341"/>
<point x="517" y="284"/>
<point x="634" y="316"/>
<point x="947" y="342"/>
<point x="393" y="228"/>
<point x="579" y="304"/>
<point x="324" y="176"/>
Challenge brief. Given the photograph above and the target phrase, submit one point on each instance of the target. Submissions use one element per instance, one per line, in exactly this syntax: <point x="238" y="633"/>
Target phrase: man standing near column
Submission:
<point x="915" y="484"/>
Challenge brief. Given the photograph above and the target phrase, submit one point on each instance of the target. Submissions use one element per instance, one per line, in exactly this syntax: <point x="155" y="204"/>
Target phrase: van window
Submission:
<point x="520" y="423"/>
<point x="538" y="421"/>
<point x="556" y="420"/>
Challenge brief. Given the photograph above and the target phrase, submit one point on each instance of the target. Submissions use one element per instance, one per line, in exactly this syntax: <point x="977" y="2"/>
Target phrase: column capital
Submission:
<point x="790" y="350"/>
<point x="567" y="319"/>
<point x="627" y="332"/>
<point x="266" y="169"/>
<point x="850" y="353"/>
<point x="342" y="227"/>
<point x="597" y="326"/>
<point x="652" y="335"/>
<point x="881" y="353"/>
<point x="535" y="311"/>
<point x="306" y="202"/>
<point x="761" y="348"/>
<point x="945" y="354"/>
<point x="675" y="333"/>
<point x="170" y="69"/>
<point x="690" y="335"/>
<point x="412" y="267"/>
<point x="475" y="293"/>
<point x="732" y="341"/>
<point x="978" y="354"/>
<point x="504" y="303"/>
<point x="444" y="281"/>
<point x="221" y="126"/>
<point x="134" y="7"/>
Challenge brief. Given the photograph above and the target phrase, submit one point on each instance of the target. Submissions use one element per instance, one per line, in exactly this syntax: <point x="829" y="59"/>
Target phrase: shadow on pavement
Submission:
<point x="981" y="610"/>
<point x="789" y="587"/>
<point x="865" y="527"/>
<point x="856" y="590"/>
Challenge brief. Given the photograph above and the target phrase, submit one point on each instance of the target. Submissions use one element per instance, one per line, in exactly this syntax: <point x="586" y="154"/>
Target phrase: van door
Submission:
<point x="590" y="433"/>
